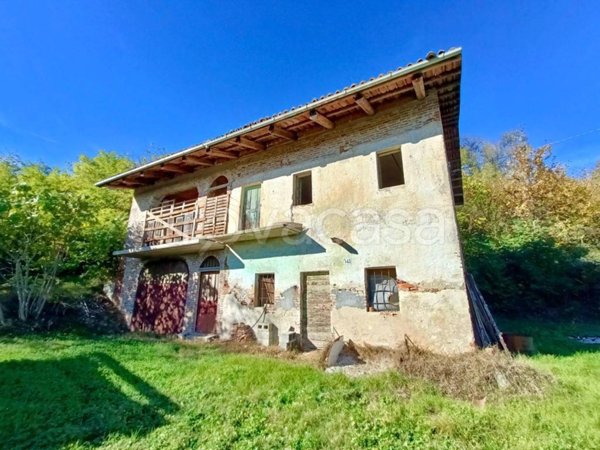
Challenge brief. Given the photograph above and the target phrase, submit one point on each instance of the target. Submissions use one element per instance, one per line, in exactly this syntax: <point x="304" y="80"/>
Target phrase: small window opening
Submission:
<point x="218" y="187"/>
<point x="390" y="169"/>
<point x="382" y="289"/>
<point x="265" y="291"/>
<point x="210" y="262"/>
<point x="303" y="189"/>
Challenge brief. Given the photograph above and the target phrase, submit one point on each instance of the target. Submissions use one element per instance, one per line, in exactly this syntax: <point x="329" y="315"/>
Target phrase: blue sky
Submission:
<point x="157" y="76"/>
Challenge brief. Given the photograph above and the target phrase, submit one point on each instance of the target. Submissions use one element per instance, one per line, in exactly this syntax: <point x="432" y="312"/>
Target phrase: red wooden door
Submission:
<point x="160" y="298"/>
<point x="208" y="298"/>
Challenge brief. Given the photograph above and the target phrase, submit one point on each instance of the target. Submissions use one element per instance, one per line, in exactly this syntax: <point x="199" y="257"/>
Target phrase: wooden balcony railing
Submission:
<point x="174" y="222"/>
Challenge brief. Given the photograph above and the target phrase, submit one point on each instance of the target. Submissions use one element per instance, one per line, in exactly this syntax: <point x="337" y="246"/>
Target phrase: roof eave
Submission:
<point x="416" y="67"/>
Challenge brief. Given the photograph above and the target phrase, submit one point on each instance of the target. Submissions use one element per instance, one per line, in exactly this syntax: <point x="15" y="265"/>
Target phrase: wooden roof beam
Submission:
<point x="220" y="153"/>
<point x="319" y="118"/>
<point x="249" y="143"/>
<point x="173" y="168"/>
<point x="196" y="160"/>
<point x="419" y="86"/>
<point x="132" y="183"/>
<point x="280" y="132"/>
<point x="147" y="175"/>
<point x="364" y="104"/>
<point x="146" y="178"/>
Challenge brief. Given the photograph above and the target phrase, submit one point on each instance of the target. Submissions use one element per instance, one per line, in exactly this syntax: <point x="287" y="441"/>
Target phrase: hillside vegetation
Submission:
<point x="531" y="232"/>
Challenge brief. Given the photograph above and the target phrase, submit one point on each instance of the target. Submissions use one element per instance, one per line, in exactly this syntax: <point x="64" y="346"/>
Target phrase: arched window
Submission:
<point x="210" y="262"/>
<point x="218" y="187"/>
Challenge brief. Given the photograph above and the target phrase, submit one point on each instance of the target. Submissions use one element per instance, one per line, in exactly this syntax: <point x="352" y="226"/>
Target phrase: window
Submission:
<point x="382" y="289"/>
<point x="389" y="168"/>
<point x="303" y="189"/>
<point x="265" y="289"/>
<point x="210" y="262"/>
<point x="251" y="207"/>
<point x="218" y="187"/>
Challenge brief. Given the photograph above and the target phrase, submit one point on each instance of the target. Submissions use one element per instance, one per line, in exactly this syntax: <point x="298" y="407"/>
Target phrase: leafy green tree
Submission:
<point x="56" y="226"/>
<point x="42" y="217"/>
<point x="105" y="230"/>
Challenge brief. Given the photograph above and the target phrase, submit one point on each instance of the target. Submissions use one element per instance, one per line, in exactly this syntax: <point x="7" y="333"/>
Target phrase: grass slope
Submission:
<point x="65" y="391"/>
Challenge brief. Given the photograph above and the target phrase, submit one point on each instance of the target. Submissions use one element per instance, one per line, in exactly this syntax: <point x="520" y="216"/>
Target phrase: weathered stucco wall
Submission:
<point x="411" y="227"/>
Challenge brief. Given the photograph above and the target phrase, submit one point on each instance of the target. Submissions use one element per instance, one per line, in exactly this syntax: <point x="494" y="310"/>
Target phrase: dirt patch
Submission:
<point x="358" y="361"/>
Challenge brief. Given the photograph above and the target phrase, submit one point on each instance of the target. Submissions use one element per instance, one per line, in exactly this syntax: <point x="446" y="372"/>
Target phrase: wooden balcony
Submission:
<point x="180" y="221"/>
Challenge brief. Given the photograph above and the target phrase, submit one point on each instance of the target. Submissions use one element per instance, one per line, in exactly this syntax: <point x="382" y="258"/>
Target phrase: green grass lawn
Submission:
<point x="67" y="391"/>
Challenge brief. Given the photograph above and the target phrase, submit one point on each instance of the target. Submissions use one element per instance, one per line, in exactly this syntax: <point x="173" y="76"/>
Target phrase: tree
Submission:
<point x="105" y="230"/>
<point x="530" y="231"/>
<point x="57" y="225"/>
<point x="42" y="216"/>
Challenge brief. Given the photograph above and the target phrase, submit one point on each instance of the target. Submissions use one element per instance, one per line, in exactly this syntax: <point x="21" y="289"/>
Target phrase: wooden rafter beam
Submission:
<point x="419" y="86"/>
<point x="132" y="183"/>
<point x="319" y="118"/>
<point x="364" y="104"/>
<point x="282" y="133"/>
<point x="196" y="160"/>
<point x="173" y="168"/>
<point x="249" y="143"/>
<point x="147" y="176"/>
<point x="378" y="99"/>
<point x="220" y="153"/>
<point x="146" y="179"/>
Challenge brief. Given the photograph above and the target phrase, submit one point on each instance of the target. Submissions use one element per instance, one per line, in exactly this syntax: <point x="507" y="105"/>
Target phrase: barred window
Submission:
<point x="382" y="289"/>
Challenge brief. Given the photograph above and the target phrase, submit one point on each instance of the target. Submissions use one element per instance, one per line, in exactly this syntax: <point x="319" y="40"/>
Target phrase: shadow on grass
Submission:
<point x="53" y="403"/>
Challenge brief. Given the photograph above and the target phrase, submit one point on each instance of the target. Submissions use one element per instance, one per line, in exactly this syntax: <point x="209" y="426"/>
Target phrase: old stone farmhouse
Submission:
<point x="332" y="218"/>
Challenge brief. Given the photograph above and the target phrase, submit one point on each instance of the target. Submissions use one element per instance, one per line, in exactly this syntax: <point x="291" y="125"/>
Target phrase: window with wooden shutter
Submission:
<point x="265" y="289"/>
